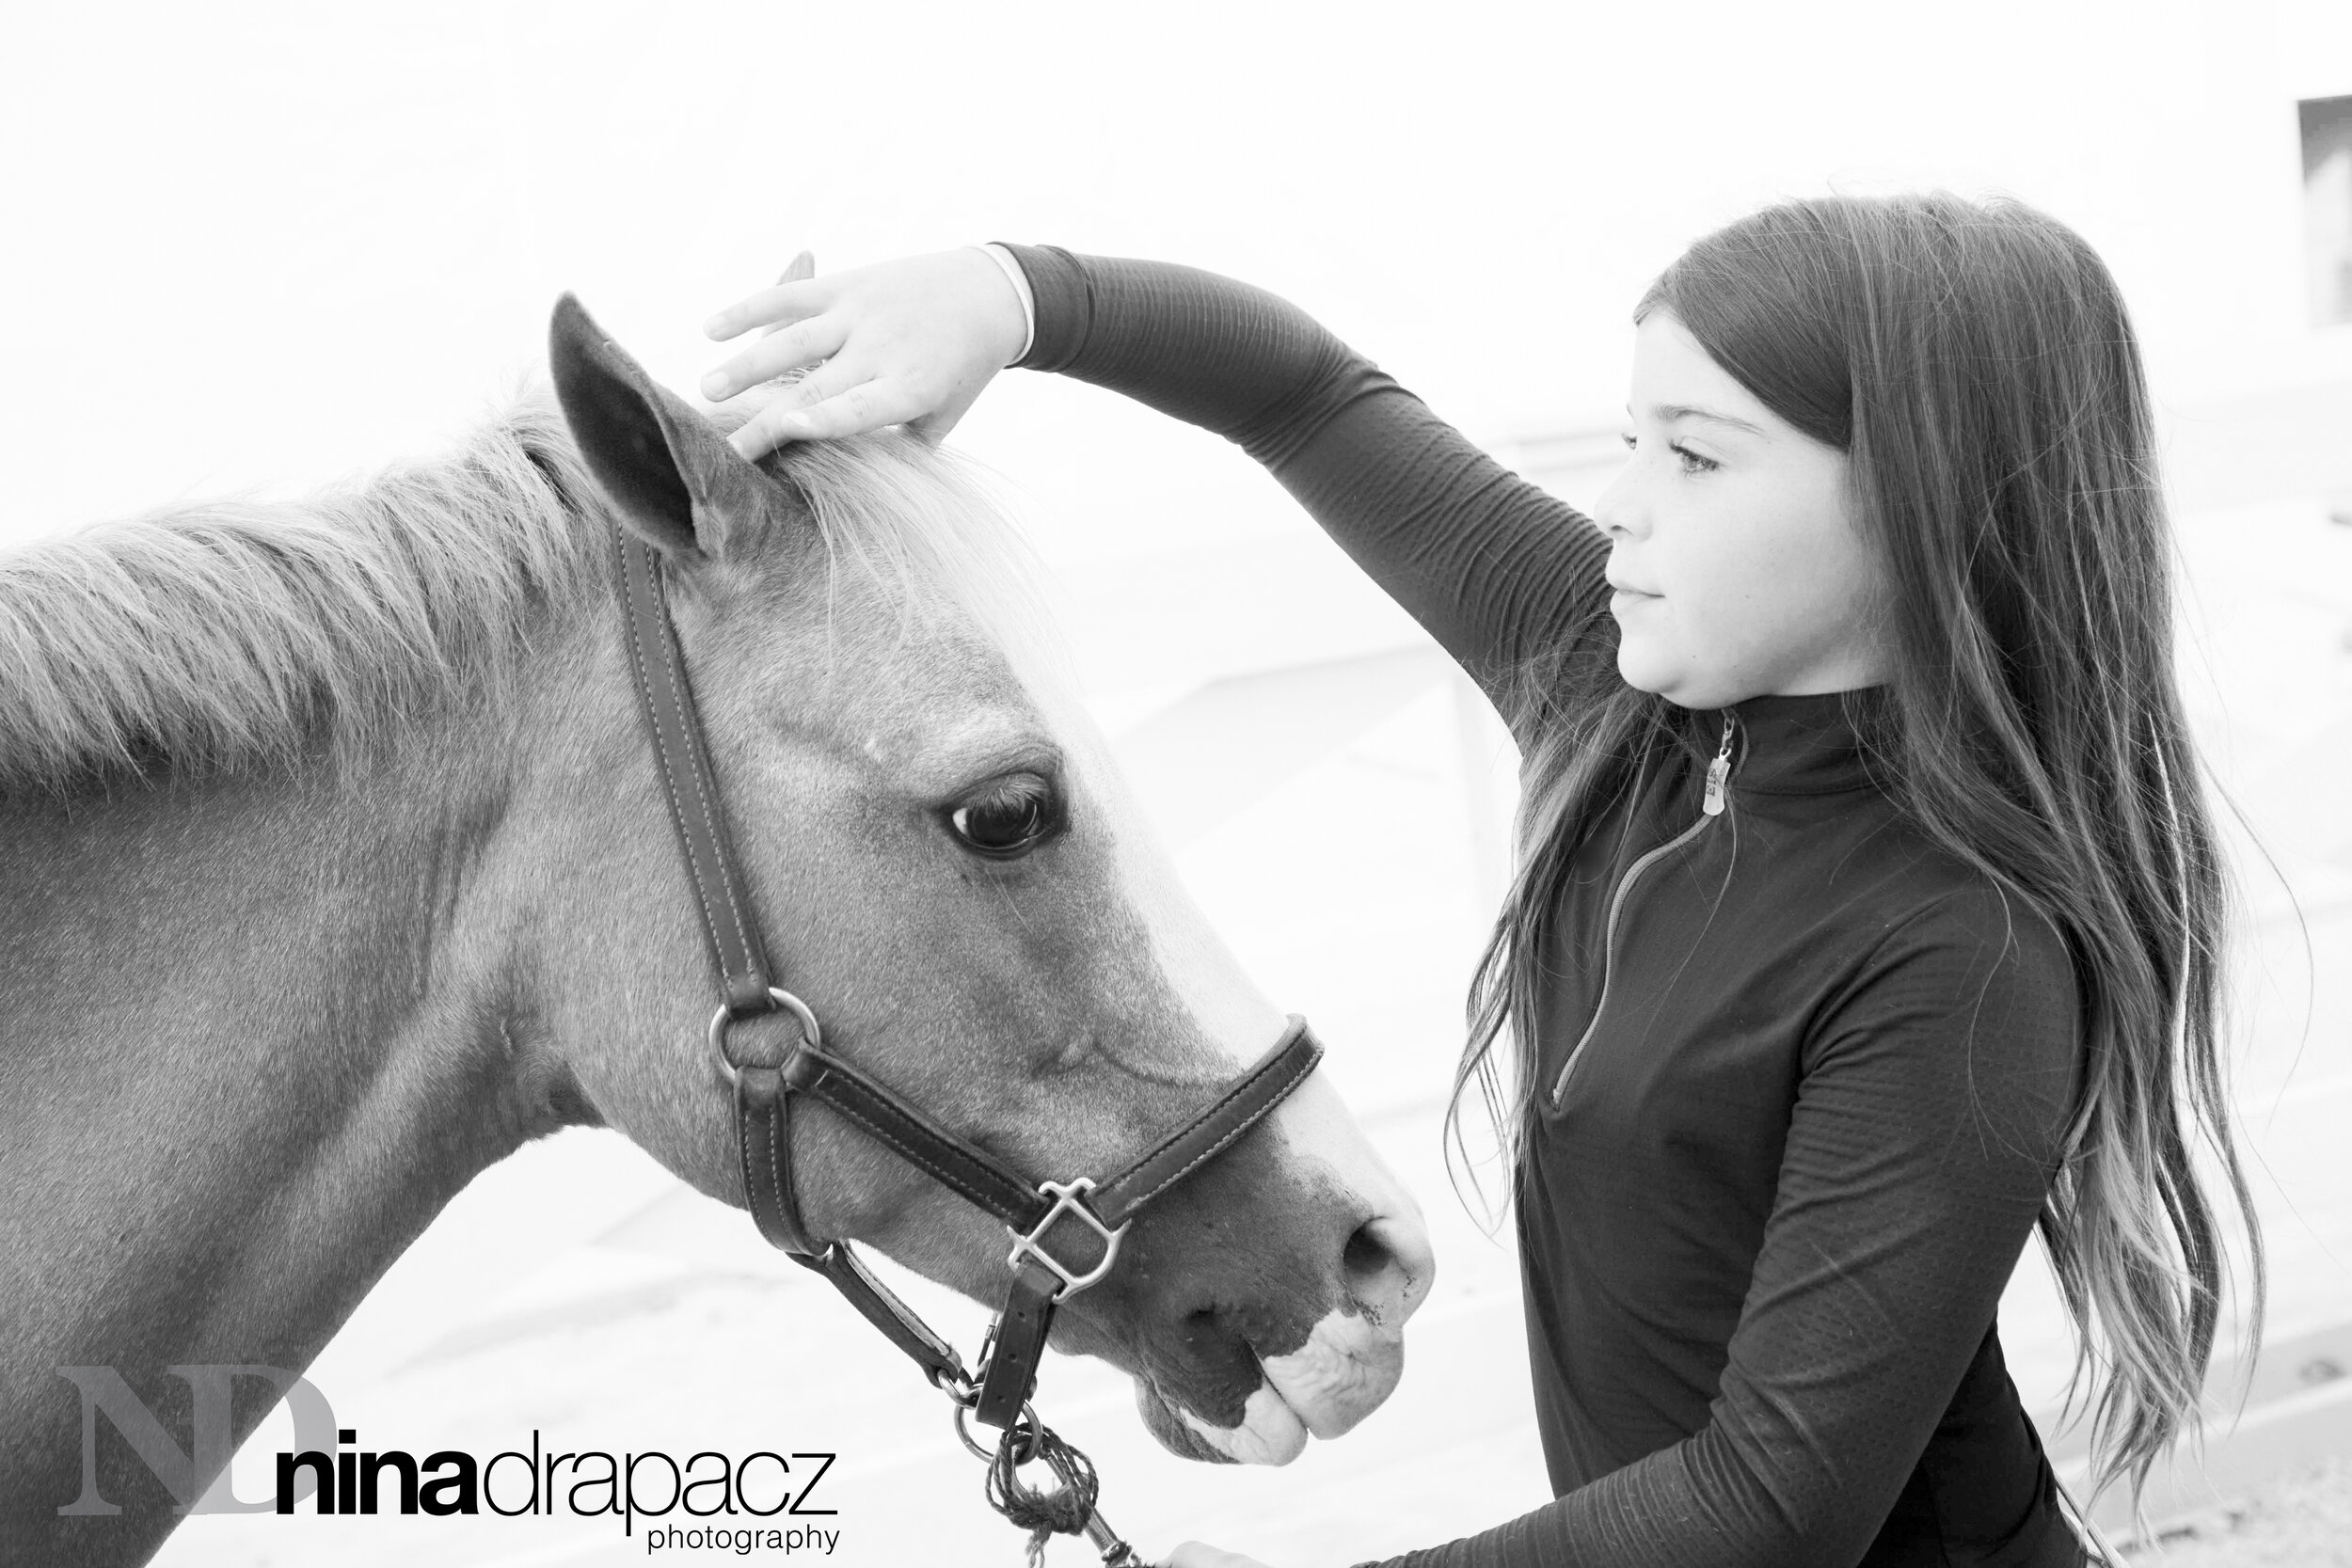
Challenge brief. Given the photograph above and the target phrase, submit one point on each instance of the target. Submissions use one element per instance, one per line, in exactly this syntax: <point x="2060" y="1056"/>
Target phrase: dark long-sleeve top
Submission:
<point x="1802" y="1076"/>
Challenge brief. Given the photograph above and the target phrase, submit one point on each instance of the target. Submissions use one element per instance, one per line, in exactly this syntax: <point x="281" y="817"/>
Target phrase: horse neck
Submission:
<point x="254" y="1039"/>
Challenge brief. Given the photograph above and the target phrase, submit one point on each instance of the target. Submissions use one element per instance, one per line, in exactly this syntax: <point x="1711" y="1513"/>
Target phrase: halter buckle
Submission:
<point x="778" y="1001"/>
<point x="1069" y="1198"/>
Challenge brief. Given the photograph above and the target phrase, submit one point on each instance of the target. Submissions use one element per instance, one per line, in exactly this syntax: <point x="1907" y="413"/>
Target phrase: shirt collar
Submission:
<point x="1799" y="745"/>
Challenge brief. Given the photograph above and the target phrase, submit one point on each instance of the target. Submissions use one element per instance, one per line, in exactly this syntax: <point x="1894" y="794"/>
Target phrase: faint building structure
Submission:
<point x="2326" y="124"/>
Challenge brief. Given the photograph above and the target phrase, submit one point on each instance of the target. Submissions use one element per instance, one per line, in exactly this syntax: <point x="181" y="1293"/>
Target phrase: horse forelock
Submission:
<point x="927" y="527"/>
<point x="240" y="633"/>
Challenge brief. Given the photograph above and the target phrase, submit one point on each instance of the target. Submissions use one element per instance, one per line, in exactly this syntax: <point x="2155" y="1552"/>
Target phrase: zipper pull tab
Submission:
<point x="1718" y="772"/>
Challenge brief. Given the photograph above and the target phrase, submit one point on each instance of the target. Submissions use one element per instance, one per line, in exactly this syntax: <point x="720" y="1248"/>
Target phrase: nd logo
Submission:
<point x="187" y="1472"/>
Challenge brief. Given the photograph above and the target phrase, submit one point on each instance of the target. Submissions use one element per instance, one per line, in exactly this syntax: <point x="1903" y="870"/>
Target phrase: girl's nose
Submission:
<point x="1618" y="508"/>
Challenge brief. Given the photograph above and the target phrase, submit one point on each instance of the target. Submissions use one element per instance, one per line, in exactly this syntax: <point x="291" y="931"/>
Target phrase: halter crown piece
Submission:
<point x="1095" y="1214"/>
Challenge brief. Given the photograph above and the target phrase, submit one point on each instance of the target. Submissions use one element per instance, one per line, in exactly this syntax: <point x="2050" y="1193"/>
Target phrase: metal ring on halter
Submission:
<point x="781" y="1000"/>
<point x="1069" y="1198"/>
<point x="1029" y="1423"/>
<point x="957" y="1386"/>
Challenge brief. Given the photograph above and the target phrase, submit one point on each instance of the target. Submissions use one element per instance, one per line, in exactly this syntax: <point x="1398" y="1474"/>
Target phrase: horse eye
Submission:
<point x="1009" y="818"/>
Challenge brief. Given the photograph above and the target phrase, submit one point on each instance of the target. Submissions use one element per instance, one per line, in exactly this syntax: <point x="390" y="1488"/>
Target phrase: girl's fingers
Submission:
<point x="779" y="421"/>
<point x="822" y="407"/>
<point x="785" y="348"/>
<point x="798" y="270"/>
<point x="1198" y="1553"/>
<point x="762" y="434"/>
<point x="781" y="303"/>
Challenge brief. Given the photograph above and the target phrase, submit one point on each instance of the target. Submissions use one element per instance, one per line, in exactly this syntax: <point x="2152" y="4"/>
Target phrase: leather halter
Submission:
<point x="765" y="1089"/>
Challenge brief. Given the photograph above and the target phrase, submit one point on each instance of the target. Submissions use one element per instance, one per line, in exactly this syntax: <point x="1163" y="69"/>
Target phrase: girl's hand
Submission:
<point x="908" y="342"/>
<point x="1195" y="1554"/>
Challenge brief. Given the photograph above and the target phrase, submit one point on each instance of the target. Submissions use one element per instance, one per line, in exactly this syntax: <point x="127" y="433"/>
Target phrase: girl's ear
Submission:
<point x="668" y="471"/>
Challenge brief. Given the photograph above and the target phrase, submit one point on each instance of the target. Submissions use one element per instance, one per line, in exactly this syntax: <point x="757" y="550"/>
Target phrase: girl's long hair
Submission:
<point x="1975" y="361"/>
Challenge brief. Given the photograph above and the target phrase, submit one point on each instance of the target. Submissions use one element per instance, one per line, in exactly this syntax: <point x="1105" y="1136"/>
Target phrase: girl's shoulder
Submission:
<point x="1891" y="907"/>
<point x="1974" y="923"/>
<point x="1909" y="895"/>
<point x="1952" y="952"/>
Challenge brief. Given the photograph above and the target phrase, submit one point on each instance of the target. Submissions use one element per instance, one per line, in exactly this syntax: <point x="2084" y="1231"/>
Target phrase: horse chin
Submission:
<point x="1270" y="1432"/>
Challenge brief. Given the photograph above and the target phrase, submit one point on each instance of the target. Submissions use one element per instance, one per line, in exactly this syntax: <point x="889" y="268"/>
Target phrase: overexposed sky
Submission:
<point x="259" y="242"/>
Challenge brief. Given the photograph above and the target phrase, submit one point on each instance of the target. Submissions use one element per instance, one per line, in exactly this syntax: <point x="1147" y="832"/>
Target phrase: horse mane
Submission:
<point x="234" y="634"/>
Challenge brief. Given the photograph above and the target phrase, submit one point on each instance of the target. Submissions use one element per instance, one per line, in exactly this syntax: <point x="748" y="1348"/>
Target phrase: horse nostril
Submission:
<point x="1387" y="1267"/>
<point x="1366" y="1255"/>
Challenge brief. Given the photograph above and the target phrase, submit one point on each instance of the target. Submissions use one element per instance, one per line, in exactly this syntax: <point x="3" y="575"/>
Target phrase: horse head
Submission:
<point x="938" y="849"/>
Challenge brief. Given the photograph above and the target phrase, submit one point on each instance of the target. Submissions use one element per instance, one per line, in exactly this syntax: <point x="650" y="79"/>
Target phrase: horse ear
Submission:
<point x="672" y="476"/>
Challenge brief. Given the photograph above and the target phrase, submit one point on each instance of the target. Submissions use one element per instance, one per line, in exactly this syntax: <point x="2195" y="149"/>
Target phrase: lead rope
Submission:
<point x="1068" y="1508"/>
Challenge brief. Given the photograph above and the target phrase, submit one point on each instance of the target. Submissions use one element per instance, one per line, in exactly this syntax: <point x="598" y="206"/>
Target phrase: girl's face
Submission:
<point x="1738" y="568"/>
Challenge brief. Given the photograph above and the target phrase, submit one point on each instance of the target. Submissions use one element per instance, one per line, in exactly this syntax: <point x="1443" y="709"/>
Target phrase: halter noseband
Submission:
<point x="1042" y="1280"/>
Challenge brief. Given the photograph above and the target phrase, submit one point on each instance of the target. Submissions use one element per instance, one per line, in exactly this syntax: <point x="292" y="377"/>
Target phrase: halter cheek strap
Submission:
<point x="688" y="785"/>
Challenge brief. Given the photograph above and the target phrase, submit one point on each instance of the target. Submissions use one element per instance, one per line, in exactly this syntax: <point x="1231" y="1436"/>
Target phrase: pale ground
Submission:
<point x="2303" y="1521"/>
<point x="576" y="1292"/>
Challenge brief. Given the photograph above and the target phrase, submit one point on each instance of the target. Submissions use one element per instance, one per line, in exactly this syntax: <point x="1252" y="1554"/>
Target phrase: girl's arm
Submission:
<point x="1927" y="1126"/>
<point x="1495" y="568"/>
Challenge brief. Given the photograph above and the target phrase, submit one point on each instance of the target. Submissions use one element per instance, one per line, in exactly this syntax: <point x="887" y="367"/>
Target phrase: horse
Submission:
<point x="336" y="868"/>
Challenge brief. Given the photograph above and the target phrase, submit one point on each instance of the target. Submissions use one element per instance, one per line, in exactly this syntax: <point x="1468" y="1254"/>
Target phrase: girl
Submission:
<point x="1867" y="911"/>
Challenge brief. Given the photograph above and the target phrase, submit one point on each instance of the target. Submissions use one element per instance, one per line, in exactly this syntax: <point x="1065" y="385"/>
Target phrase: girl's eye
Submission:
<point x="1692" y="463"/>
<point x="1008" y="818"/>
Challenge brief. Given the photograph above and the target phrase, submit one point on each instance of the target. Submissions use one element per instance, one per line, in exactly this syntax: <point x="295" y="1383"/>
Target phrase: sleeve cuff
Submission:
<point x="1020" y="282"/>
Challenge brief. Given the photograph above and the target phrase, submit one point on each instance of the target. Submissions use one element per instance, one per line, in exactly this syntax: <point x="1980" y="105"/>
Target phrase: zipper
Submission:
<point x="1718" y="772"/>
<point x="1711" y="806"/>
